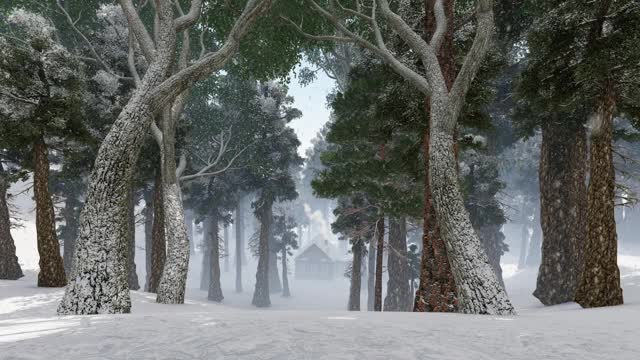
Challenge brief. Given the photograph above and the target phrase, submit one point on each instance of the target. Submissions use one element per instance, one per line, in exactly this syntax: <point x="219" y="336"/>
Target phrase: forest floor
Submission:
<point x="29" y="328"/>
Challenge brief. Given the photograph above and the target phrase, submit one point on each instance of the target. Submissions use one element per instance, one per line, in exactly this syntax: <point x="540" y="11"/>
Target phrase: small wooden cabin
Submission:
<point x="314" y="264"/>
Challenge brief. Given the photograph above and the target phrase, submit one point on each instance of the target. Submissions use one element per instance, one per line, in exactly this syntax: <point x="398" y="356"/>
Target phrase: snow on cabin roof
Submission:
<point x="313" y="252"/>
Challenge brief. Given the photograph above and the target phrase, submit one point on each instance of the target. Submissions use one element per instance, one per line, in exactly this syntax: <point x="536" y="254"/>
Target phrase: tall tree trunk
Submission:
<point x="377" y="304"/>
<point x="215" y="291"/>
<point x="174" y="276"/>
<point x="148" y="235"/>
<point x="158" y="241"/>
<point x="69" y="213"/>
<point x="562" y="211"/>
<point x="437" y="290"/>
<point x="524" y="236"/>
<point x="275" y="286"/>
<point x="239" y="227"/>
<point x="371" y="274"/>
<point x="207" y="243"/>
<point x="226" y="248"/>
<point x="356" y="277"/>
<point x="188" y="219"/>
<point x="535" y="245"/>
<point x="9" y="266"/>
<point x="285" y="275"/>
<point x="261" y="293"/>
<point x="600" y="281"/>
<point x="398" y="294"/>
<point x="51" y="265"/>
<point x="133" y="275"/>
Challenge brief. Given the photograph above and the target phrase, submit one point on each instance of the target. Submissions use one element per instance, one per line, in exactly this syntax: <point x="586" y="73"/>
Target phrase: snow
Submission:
<point x="312" y="325"/>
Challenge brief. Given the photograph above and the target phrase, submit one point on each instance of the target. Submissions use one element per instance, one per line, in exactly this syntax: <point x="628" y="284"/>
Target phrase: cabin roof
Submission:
<point x="313" y="253"/>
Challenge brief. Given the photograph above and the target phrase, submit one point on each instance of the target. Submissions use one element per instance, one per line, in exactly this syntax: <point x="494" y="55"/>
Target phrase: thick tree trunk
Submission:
<point x="205" y="270"/>
<point x="437" y="290"/>
<point x="275" y="286"/>
<point x="261" y="293"/>
<point x="239" y="227"/>
<point x="371" y="274"/>
<point x="285" y="275"/>
<point x="215" y="291"/>
<point x="148" y="235"/>
<point x="478" y="289"/>
<point x="226" y="248"/>
<point x="377" y="305"/>
<point x="51" y="265"/>
<point x="9" y="266"/>
<point x="600" y="281"/>
<point x="131" y="256"/>
<point x="398" y="294"/>
<point x="356" y="278"/>
<point x="562" y="211"/>
<point x="99" y="282"/>
<point x="158" y="240"/>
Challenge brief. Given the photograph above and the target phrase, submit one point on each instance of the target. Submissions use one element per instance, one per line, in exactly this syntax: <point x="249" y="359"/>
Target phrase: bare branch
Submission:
<point x="131" y="61"/>
<point x="137" y="26"/>
<point x="441" y="25"/>
<point x="187" y="20"/>
<point x="17" y="98"/>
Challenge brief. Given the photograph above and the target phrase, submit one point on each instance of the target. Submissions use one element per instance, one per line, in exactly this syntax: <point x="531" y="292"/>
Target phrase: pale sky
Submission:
<point x="312" y="101"/>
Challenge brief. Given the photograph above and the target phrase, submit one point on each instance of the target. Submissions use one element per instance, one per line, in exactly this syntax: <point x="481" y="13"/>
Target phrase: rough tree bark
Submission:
<point x="215" y="291"/>
<point x="371" y="273"/>
<point x="51" y="265"/>
<point x="239" y="228"/>
<point x="398" y="293"/>
<point x="377" y="304"/>
<point x="436" y="291"/>
<point x="285" y="275"/>
<point x="261" y="292"/>
<point x="158" y="242"/>
<point x="562" y="211"/>
<point x="99" y="281"/>
<point x="356" y="276"/>
<point x="9" y="266"/>
<point x="131" y="254"/>
<point x="600" y="281"/>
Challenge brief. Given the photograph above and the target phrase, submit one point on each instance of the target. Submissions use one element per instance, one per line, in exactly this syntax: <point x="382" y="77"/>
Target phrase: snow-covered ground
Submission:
<point x="295" y="328"/>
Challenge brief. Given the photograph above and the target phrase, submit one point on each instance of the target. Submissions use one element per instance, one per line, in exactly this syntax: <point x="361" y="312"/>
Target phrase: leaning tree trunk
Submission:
<point x="133" y="275"/>
<point x="371" y="273"/>
<point x="275" y="286"/>
<point x="356" y="277"/>
<point x="215" y="291"/>
<point x="261" y="293"/>
<point x="478" y="288"/>
<point x="158" y="241"/>
<point x="99" y="282"/>
<point x="285" y="275"/>
<point x="437" y="290"/>
<point x="205" y="269"/>
<point x="173" y="282"/>
<point x="600" y="282"/>
<point x="397" y="267"/>
<point x="562" y="211"/>
<point x="9" y="266"/>
<point x="51" y="265"/>
<point x="148" y="235"/>
<point x="239" y="227"/>
<point x="377" y="304"/>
